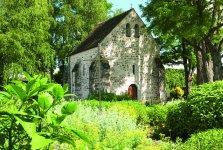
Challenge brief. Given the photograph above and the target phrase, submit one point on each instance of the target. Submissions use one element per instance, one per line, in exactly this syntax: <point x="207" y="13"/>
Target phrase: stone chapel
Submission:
<point x="119" y="57"/>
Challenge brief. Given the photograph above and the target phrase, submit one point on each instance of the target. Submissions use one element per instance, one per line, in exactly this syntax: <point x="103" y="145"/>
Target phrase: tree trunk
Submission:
<point x="186" y="69"/>
<point x="216" y="59"/>
<point x="217" y="65"/>
<point x="204" y="65"/>
<point x="200" y="70"/>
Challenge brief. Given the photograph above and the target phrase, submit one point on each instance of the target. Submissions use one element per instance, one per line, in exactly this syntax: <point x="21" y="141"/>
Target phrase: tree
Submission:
<point x="196" y="24"/>
<point x="74" y="20"/>
<point x="173" y="51"/>
<point x="24" y="37"/>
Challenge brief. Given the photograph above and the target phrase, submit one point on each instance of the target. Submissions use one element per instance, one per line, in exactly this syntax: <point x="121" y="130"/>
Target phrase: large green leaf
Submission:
<point x="38" y="141"/>
<point x="69" y="108"/>
<point x="45" y="100"/>
<point x="21" y="93"/>
<point x="4" y="95"/>
<point x="58" y="91"/>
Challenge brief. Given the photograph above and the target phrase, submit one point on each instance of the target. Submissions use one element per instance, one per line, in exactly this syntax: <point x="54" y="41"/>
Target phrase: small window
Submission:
<point x="83" y="70"/>
<point x="128" y="30"/>
<point x="133" y="69"/>
<point x="137" y="31"/>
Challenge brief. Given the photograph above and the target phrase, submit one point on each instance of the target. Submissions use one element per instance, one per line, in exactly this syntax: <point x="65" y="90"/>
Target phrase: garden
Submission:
<point x="38" y="114"/>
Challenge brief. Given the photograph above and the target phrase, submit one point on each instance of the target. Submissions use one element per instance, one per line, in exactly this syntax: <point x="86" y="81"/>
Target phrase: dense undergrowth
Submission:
<point x="34" y="114"/>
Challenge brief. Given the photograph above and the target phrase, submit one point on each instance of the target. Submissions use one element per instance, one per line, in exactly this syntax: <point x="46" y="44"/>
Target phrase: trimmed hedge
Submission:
<point x="203" y="110"/>
<point x="157" y="115"/>
<point x="209" y="140"/>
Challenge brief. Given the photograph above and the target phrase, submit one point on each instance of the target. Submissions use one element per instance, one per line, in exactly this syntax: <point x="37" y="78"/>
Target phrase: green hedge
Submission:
<point x="203" y="110"/>
<point x="209" y="140"/>
<point x="157" y="115"/>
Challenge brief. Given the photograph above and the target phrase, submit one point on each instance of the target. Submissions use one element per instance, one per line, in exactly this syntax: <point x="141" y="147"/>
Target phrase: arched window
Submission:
<point x="136" y="31"/>
<point x="76" y="79"/>
<point x="95" y="79"/>
<point x="128" y="30"/>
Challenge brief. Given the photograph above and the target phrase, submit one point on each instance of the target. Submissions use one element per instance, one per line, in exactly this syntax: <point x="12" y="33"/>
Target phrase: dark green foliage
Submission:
<point x="109" y="96"/>
<point x="203" y="110"/>
<point x="208" y="140"/>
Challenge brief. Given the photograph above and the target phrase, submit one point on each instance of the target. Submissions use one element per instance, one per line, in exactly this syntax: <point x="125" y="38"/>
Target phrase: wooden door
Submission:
<point x="132" y="91"/>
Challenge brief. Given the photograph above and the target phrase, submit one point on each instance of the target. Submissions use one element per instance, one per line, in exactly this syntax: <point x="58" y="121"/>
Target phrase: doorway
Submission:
<point x="132" y="91"/>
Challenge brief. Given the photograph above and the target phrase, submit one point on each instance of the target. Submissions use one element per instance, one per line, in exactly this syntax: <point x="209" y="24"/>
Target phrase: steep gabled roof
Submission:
<point x="100" y="32"/>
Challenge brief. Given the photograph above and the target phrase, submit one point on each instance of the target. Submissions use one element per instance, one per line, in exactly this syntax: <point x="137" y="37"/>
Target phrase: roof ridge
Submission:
<point x="100" y="31"/>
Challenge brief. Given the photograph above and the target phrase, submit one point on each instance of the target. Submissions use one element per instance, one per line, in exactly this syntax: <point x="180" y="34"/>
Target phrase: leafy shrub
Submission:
<point x="157" y="115"/>
<point x="109" y="97"/>
<point x="27" y="116"/>
<point x="134" y="109"/>
<point x="208" y="140"/>
<point x="203" y="110"/>
<point x="177" y="92"/>
<point x="107" y="128"/>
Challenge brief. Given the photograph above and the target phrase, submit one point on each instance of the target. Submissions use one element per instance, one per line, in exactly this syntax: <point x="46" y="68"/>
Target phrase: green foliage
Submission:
<point x="174" y="78"/>
<point x="177" y="92"/>
<point x="107" y="128"/>
<point x="188" y="26"/>
<point x="202" y="111"/>
<point x="134" y="109"/>
<point x="24" y="38"/>
<point x="209" y="140"/>
<point x="157" y="115"/>
<point x="28" y="109"/>
<point x="74" y="20"/>
<point x="69" y="108"/>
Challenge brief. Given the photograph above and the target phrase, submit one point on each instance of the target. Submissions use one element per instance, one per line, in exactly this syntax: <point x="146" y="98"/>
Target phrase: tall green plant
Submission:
<point x="28" y="117"/>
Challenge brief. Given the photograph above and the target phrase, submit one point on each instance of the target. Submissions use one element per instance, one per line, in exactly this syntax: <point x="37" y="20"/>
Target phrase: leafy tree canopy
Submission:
<point x="24" y="37"/>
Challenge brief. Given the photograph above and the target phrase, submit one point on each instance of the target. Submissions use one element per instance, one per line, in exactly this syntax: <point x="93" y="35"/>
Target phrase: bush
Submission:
<point x="203" y="110"/>
<point x="157" y="115"/>
<point x="134" y="109"/>
<point x="107" y="128"/>
<point x="177" y="92"/>
<point x="209" y="140"/>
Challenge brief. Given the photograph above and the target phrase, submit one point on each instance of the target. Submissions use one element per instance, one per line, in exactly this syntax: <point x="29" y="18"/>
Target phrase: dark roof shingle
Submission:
<point x="100" y="32"/>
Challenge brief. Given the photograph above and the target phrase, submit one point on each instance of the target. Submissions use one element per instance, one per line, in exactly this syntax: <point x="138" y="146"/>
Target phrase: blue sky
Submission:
<point x="126" y="4"/>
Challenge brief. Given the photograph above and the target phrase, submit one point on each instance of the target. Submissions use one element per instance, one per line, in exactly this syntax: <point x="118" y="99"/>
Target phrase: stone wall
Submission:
<point x="123" y="52"/>
<point x="84" y="59"/>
